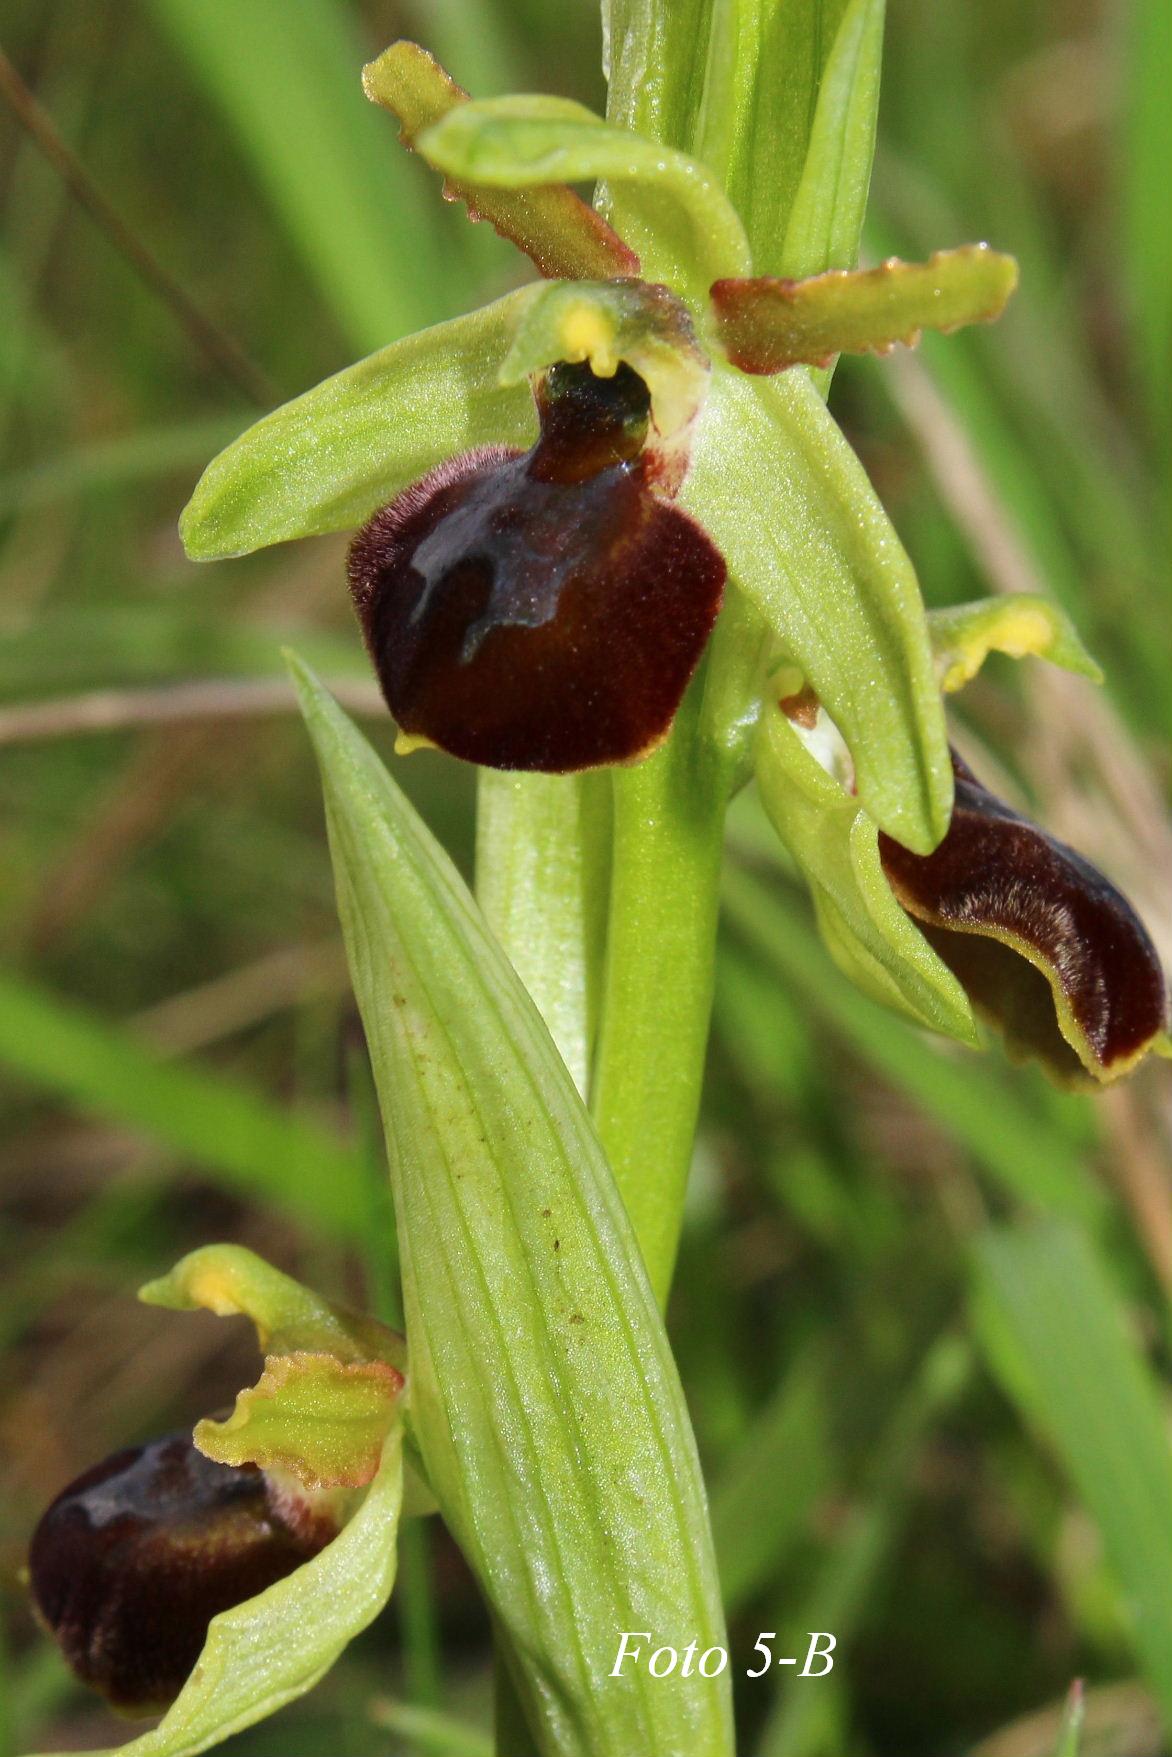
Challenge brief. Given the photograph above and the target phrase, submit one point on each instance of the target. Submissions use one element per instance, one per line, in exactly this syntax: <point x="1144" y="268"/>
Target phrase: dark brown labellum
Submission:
<point x="540" y="610"/>
<point x="132" y="1561"/>
<point x="1042" y="943"/>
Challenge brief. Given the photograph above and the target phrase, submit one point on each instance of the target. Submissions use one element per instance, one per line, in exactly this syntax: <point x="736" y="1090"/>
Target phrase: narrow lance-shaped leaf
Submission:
<point x="653" y="55"/>
<point x="836" y="844"/>
<point x="544" y="1395"/>
<point x="542" y="856"/>
<point x="329" y="458"/>
<point x="1050" y="1323"/>
<point x="283" y="79"/>
<point x="553" y="226"/>
<point x="787" y="502"/>
<point x="276" y="1646"/>
<point x="238" y="1134"/>
<point x="677" y="216"/>
<point x="769" y="324"/>
<point x="825" y="222"/>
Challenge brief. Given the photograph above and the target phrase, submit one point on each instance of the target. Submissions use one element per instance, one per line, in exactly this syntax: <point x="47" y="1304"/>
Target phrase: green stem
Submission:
<point x="657" y="996"/>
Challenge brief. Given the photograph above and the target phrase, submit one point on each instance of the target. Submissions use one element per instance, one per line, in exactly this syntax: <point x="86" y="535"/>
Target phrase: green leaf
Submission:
<point x="653" y="56"/>
<point x="285" y="80"/>
<point x="289" y="1318"/>
<point x="273" y="1648"/>
<point x="825" y="222"/>
<point x="767" y="325"/>
<point x="1023" y="625"/>
<point x="544" y="1395"/>
<point x="1050" y="1323"/>
<point x="327" y="460"/>
<point x="767" y="1493"/>
<point x="552" y="225"/>
<point x="783" y="496"/>
<point x="1145" y="117"/>
<point x="836" y="845"/>
<point x="235" y="1133"/>
<point x="322" y="1420"/>
<point x="676" y="216"/>
<point x="788" y="121"/>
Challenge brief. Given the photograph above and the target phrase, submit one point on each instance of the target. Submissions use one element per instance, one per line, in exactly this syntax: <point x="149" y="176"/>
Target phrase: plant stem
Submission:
<point x="657" y="997"/>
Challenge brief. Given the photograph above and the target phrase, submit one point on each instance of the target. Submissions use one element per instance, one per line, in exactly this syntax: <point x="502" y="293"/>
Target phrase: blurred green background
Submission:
<point x="922" y="1312"/>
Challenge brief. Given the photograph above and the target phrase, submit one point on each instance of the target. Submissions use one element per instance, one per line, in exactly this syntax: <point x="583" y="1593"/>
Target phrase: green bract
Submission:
<point x="544" y="1397"/>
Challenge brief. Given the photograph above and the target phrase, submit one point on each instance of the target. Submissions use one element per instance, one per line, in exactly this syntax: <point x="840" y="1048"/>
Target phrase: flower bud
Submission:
<point x="541" y="610"/>
<point x="131" y="1562"/>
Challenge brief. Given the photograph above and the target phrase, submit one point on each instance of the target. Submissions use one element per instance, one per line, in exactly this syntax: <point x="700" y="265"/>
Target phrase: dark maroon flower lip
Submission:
<point x="541" y="610"/>
<point x="131" y="1562"/>
<point x="1043" y="943"/>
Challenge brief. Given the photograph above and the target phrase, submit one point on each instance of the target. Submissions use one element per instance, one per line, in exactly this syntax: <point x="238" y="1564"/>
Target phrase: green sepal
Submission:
<point x="605" y="322"/>
<point x="544" y="1396"/>
<point x="312" y="1416"/>
<point x="231" y="1281"/>
<point x="677" y="217"/>
<point x="825" y="221"/>
<point x="782" y="495"/>
<point x="767" y="325"/>
<point x="552" y="225"/>
<point x="329" y="458"/>
<point x="836" y="845"/>
<point x="271" y="1649"/>
<point x="1022" y="625"/>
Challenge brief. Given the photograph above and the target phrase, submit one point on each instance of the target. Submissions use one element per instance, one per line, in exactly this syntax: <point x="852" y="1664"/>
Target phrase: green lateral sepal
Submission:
<point x="330" y="458"/>
<point x="836" y="845"/>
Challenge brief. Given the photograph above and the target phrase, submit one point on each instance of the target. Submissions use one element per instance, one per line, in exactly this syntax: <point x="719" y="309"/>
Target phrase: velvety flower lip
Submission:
<point x="1044" y="945"/>
<point x="133" y="1559"/>
<point x="541" y="610"/>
